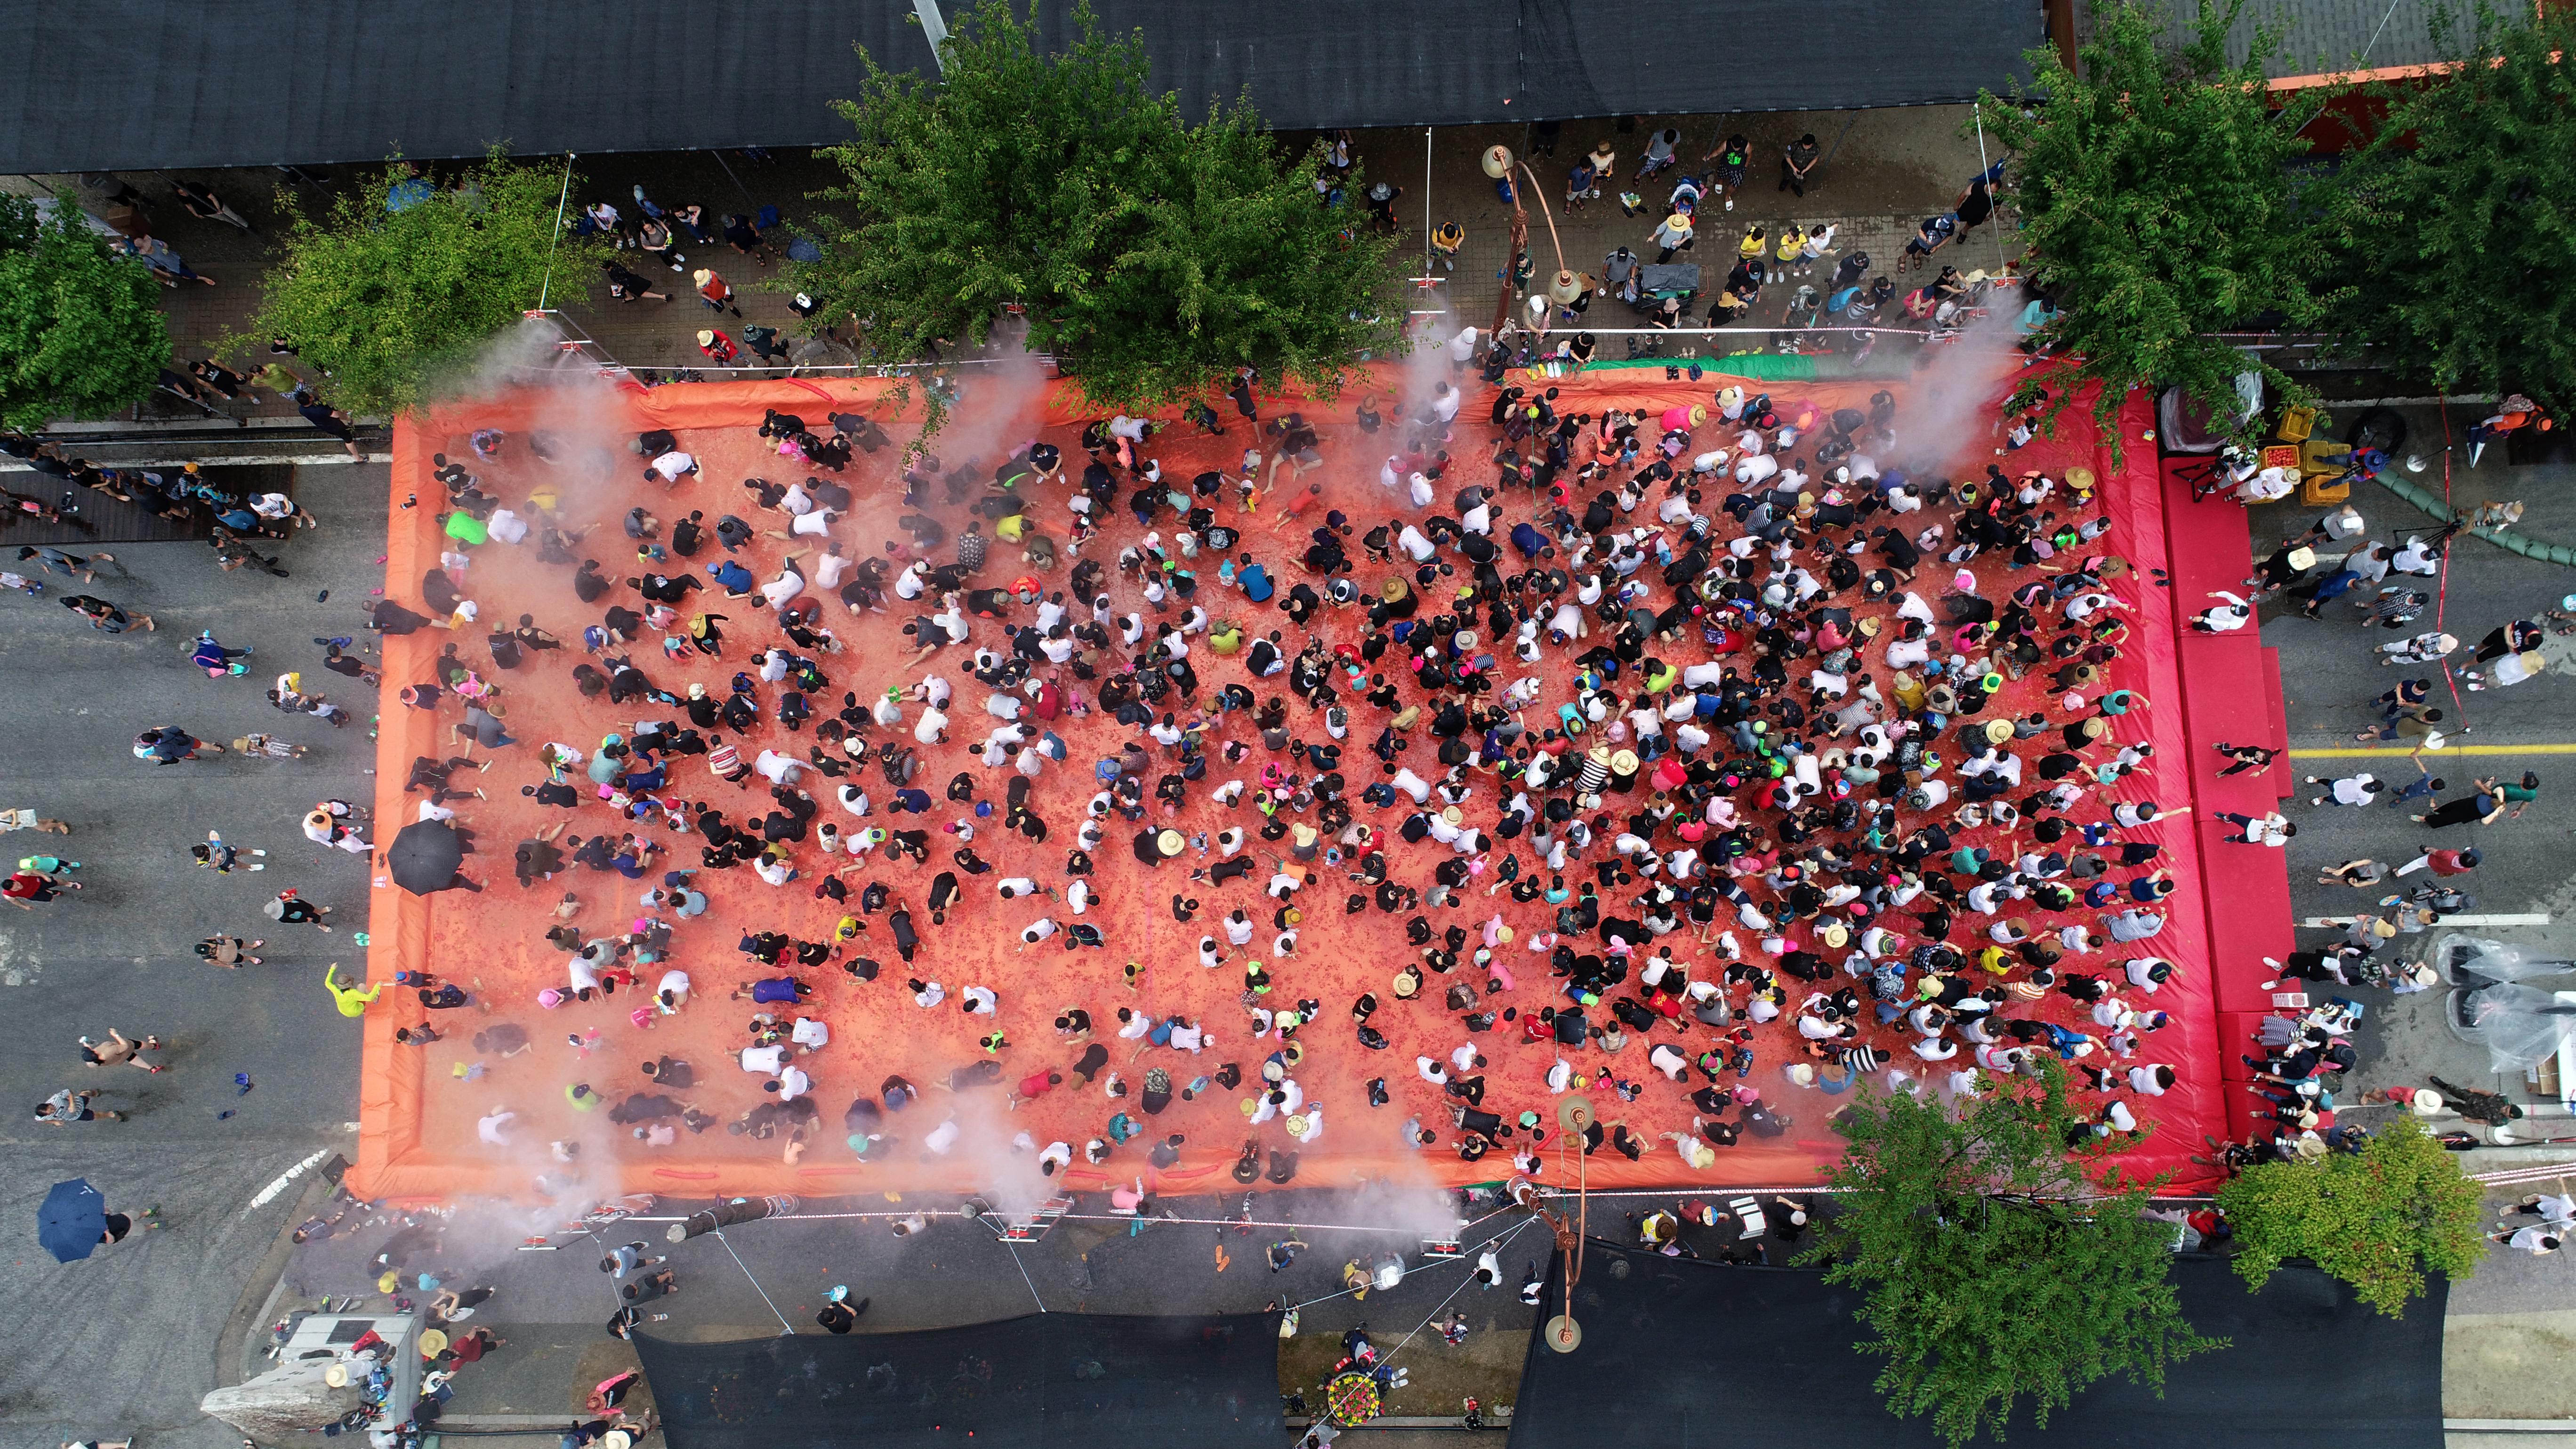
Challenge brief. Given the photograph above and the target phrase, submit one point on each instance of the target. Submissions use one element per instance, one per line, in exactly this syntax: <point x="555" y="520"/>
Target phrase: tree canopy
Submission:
<point x="395" y="293"/>
<point x="2376" y="1219"/>
<point x="2462" y="229"/>
<point x="81" y="333"/>
<point x="1153" y="256"/>
<point x="1997" y="1268"/>
<point x="2157" y="204"/>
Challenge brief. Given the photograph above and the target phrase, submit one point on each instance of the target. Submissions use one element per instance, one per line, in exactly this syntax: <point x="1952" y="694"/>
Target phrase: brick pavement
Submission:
<point x="1886" y="169"/>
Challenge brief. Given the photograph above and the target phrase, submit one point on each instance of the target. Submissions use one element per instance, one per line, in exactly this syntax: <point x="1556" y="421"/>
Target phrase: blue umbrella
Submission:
<point x="72" y="1220"/>
<point x="406" y="194"/>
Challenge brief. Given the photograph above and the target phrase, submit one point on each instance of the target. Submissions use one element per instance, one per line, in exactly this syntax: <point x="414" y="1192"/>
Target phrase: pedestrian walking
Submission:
<point x="203" y="204"/>
<point x="2360" y="789"/>
<point x="105" y="617"/>
<point x="330" y="420"/>
<point x="222" y="858"/>
<point x="2484" y="805"/>
<point x="714" y="291"/>
<point x="229" y="952"/>
<point x="67" y="1106"/>
<point x="119" y="1050"/>
<point x="31" y="885"/>
<point x="294" y="910"/>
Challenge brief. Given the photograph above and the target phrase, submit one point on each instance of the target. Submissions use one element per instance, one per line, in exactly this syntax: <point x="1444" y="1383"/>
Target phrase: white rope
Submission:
<point x="545" y="288"/>
<point x="1493" y="1245"/>
<point x="755" y="1282"/>
<point x="1024" y="1273"/>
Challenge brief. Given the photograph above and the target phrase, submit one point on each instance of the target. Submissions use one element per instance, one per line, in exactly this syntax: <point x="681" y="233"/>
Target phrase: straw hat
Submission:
<point x="616" y="1439"/>
<point x="1169" y="843"/>
<point x="2426" y="1102"/>
<point x="1834" y="935"/>
<point x="1800" y="1074"/>
<point x="389" y="1282"/>
<point x="1391" y="590"/>
<point x="1999" y="731"/>
<point x="433" y="1343"/>
<point x="706" y="337"/>
<point x="1452" y="815"/>
<point x="337" y="1375"/>
<point x="701" y="277"/>
<point x="1679" y="221"/>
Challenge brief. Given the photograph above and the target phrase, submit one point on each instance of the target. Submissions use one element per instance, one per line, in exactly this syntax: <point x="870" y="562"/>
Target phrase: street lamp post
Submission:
<point x="1565" y="286"/>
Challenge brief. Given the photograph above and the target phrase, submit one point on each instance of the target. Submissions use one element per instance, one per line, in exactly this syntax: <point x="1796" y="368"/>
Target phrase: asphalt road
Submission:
<point x="2328" y="680"/>
<point x="125" y="1342"/>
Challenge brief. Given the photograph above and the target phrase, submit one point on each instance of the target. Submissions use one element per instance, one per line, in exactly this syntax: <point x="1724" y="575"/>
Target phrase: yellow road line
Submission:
<point x="2338" y="752"/>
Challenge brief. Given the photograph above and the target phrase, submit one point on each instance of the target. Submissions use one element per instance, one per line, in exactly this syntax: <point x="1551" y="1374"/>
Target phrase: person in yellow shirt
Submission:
<point x="1787" y="245"/>
<point x="352" y="1001"/>
<point x="1750" y="249"/>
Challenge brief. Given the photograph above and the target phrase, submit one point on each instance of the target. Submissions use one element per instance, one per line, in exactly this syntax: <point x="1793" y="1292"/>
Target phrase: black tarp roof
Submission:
<point x="1043" y="1381"/>
<point x="145" y="83"/>
<point x="1683" y="1354"/>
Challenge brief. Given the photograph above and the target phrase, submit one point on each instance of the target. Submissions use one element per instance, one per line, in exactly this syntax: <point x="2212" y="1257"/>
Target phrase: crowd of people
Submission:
<point x="1672" y="682"/>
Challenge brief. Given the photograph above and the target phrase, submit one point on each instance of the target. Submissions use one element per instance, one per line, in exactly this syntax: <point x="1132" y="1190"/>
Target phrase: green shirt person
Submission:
<point x="351" y="1000"/>
<point x="2521" y="793"/>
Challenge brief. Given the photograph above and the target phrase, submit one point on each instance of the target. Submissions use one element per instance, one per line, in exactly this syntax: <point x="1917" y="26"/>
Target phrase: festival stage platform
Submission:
<point x="420" y="1105"/>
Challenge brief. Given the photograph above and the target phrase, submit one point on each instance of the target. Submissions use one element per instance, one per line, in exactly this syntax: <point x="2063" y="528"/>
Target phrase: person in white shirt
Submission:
<point x="2224" y="617"/>
<point x="2358" y="789"/>
<point x="671" y="467"/>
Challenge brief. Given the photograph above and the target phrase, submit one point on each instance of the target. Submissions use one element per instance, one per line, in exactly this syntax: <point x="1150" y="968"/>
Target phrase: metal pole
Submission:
<point x="933" y="29"/>
<point x="1993" y="211"/>
<point x="736" y="180"/>
<point x="1520" y="240"/>
<point x="546" y="287"/>
<point x="1550" y="215"/>
<point x="1426" y="201"/>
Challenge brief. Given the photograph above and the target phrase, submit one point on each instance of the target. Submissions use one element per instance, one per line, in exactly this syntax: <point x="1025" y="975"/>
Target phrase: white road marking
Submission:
<point x="268" y="1194"/>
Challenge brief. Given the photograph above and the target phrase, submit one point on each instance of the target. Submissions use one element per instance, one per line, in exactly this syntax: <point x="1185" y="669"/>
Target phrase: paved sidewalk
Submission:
<point x="1886" y="170"/>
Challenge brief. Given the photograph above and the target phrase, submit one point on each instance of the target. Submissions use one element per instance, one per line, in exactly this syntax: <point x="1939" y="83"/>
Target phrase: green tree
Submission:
<point x="1996" y="1266"/>
<point x="395" y="303"/>
<point x="1151" y="255"/>
<point x="2376" y="1220"/>
<point x="2156" y="202"/>
<point x="81" y="333"/>
<point x="2460" y="246"/>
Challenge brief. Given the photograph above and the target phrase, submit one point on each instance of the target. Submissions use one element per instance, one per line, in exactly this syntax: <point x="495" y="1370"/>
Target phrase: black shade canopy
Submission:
<point x="1043" y="1381"/>
<point x="142" y="83"/>
<point x="1685" y="1354"/>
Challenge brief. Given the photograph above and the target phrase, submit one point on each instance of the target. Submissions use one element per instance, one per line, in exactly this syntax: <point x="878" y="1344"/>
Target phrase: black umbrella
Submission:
<point x="425" y="856"/>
